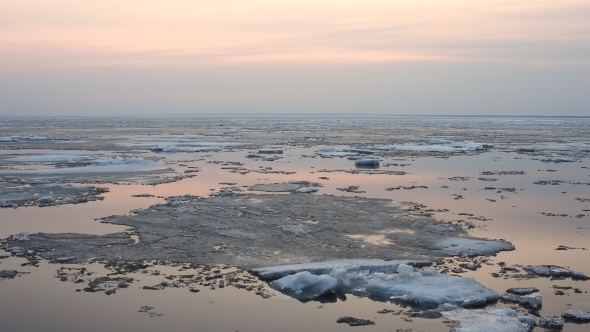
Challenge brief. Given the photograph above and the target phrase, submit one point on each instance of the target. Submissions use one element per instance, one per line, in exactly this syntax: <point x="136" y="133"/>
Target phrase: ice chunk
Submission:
<point x="577" y="315"/>
<point x="497" y="320"/>
<point x="471" y="247"/>
<point x="304" y="285"/>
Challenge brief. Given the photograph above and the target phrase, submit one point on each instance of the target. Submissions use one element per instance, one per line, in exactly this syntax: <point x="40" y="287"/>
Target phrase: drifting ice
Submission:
<point x="426" y="289"/>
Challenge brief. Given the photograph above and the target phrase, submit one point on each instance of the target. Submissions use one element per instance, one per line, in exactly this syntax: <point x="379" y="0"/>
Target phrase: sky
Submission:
<point x="107" y="57"/>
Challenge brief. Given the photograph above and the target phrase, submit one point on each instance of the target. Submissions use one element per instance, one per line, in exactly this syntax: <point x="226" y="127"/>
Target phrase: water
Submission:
<point x="38" y="300"/>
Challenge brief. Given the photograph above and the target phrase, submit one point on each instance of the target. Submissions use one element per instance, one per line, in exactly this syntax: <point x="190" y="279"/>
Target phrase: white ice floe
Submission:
<point x="58" y="157"/>
<point x="497" y="320"/>
<point x="174" y="148"/>
<point x="435" y="145"/>
<point x="426" y="289"/>
<point x="471" y="247"/>
<point x="100" y="165"/>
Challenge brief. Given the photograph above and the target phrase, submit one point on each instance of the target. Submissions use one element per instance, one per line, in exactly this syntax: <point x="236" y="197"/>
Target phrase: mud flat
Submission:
<point x="263" y="230"/>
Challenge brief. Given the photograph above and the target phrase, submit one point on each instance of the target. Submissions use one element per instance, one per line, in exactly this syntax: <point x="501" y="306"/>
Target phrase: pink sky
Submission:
<point x="82" y="35"/>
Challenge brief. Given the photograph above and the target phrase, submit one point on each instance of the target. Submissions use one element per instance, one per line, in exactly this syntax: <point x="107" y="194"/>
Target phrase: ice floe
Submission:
<point x="435" y="145"/>
<point x="376" y="280"/>
<point x="471" y="247"/>
<point x="497" y="320"/>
